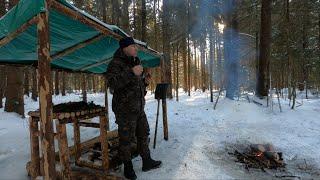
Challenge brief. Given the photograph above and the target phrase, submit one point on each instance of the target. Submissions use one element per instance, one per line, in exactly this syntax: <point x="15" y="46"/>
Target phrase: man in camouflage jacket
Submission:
<point x="127" y="83"/>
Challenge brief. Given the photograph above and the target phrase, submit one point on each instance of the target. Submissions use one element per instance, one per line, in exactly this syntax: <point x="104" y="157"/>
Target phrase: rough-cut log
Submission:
<point x="165" y="119"/>
<point x="34" y="145"/>
<point x="77" y="145"/>
<point x="77" y="46"/>
<point x="45" y="96"/>
<point x="63" y="150"/>
<point x="21" y="29"/>
<point x="104" y="143"/>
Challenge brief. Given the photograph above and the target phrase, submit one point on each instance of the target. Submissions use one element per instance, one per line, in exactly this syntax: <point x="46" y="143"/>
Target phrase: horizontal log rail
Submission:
<point x="7" y="39"/>
<point x="77" y="46"/>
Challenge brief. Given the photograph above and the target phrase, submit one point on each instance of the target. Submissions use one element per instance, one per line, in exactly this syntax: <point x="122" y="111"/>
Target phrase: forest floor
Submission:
<point x="199" y="137"/>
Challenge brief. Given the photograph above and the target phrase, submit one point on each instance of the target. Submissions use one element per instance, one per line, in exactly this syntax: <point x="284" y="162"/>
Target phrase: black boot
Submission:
<point x="128" y="171"/>
<point x="148" y="164"/>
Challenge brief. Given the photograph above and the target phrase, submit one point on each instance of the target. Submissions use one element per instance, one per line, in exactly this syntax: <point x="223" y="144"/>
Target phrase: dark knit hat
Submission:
<point x="125" y="42"/>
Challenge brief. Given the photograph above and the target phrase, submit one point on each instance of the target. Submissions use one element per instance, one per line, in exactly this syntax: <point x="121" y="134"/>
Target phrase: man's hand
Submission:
<point x="137" y="70"/>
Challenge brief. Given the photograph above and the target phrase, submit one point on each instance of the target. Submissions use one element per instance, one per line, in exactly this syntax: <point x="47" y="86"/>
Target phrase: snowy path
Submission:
<point x="198" y="136"/>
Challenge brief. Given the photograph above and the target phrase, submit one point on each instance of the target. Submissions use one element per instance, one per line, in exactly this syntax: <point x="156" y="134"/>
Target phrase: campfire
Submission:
<point x="260" y="156"/>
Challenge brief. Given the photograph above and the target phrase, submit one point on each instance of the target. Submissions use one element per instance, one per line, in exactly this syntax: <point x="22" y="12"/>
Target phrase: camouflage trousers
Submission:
<point x="133" y="129"/>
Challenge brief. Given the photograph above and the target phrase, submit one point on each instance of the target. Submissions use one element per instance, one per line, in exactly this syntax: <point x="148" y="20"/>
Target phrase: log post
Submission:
<point x="34" y="145"/>
<point x="77" y="145"/>
<point x="165" y="119"/>
<point x="106" y="102"/>
<point x="63" y="149"/>
<point x="45" y="96"/>
<point x="104" y="142"/>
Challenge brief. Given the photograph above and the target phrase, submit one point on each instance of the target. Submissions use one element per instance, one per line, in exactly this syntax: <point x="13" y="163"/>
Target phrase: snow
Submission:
<point x="198" y="136"/>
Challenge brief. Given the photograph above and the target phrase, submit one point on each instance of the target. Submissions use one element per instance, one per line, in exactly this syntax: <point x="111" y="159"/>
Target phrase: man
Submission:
<point x="126" y="82"/>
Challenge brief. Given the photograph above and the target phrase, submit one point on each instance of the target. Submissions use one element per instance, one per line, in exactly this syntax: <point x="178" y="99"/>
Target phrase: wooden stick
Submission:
<point x="215" y="104"/>
<point x="45" y="96"/>
<point x="77" y="145"/>
<point x="77" y="46"/>
<point x="156" y="128"/>
<point x="63" y="150"/>
<point x="34" y="145"/>
<point x="89" y="124"/>
<point x="104" y="143"/>
<point x="7" y="39"/>
<point x="165" y="119"/>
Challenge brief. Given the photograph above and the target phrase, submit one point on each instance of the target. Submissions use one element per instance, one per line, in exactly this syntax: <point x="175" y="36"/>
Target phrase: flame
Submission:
<point x="259" y="154"/>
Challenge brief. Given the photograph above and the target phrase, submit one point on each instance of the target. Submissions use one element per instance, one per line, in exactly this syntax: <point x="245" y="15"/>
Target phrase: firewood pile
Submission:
<point x="260" y="156"/>
<point x="73" y="110"/>
<point x="75" y="106"/>
<point x="94" y="154"/>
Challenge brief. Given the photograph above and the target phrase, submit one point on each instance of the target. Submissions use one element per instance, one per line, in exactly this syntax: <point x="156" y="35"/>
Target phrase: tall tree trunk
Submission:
<point x="84" y="87"/>
<point x="177" y="75"/>
<point x="231" y="45"/>
<point x="2" y="68"/>
<point x="265" y="42"/>
<point x="63" y="88"/>
<point x="56" y="83"/>
<point x="184" y="58"/>
<point x="2" y="7"/>
<point x="26" y="81"/>
<point x="143" y="21"/>
<point x="14" y="90"/>
<point x="3" y="81"/>
<point x="115" y="12"/>
<point x="188" y="44"/>
<point x="94" y="87"/>
<point x="79" y="3"/>
<point x="12" y="3"/>
<point x="202" y="64"/>
<point x="104" y="10"/>
<point x="125" y="15"/>
<point x="134" y="4"/>
<point x="166" y="47"/>
<point x="34" y="94"/>
<point x="212" y="54"/>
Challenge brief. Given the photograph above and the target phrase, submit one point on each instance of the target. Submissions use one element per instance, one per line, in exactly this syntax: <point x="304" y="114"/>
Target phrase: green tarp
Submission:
<point x="65" y="32"/>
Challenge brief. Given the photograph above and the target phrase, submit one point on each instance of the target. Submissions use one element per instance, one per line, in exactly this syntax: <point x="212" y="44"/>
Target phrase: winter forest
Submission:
<point x="241" y="82"/>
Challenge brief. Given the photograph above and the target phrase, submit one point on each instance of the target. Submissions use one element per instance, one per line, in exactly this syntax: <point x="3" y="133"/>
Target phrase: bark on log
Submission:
<point x="63" y="150"/>
<point x="45" y="96"/>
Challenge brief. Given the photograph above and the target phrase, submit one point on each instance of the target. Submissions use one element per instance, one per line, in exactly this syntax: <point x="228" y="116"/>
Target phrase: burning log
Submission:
<point x="260" y="156"/>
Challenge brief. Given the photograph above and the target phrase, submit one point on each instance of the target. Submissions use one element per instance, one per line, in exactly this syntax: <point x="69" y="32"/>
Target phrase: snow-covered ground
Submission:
<point x="199" y="137"/>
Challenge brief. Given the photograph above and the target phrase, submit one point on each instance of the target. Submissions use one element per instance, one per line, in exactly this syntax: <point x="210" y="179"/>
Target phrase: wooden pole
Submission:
<point x="63" y="150"/>
<point x="165" y="119"/>
<point x="76" y="135"/>
<point x="104" y="143"/>
<point x="156" y="128"/>
<point x="45" y="96"/>
<point x="106" y="104"/>
<point x="34" y="145"/>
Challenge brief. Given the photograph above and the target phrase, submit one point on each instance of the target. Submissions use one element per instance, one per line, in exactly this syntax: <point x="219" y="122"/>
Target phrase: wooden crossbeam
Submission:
<point x="85" y="20"/>
<point x="95" y="64"/>
<point x="21" y="29"/>
<point x="77" y="46"/>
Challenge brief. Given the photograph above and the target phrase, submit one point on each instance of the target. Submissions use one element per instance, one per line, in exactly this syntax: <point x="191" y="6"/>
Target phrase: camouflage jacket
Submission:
<point x="127" y="88"/>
